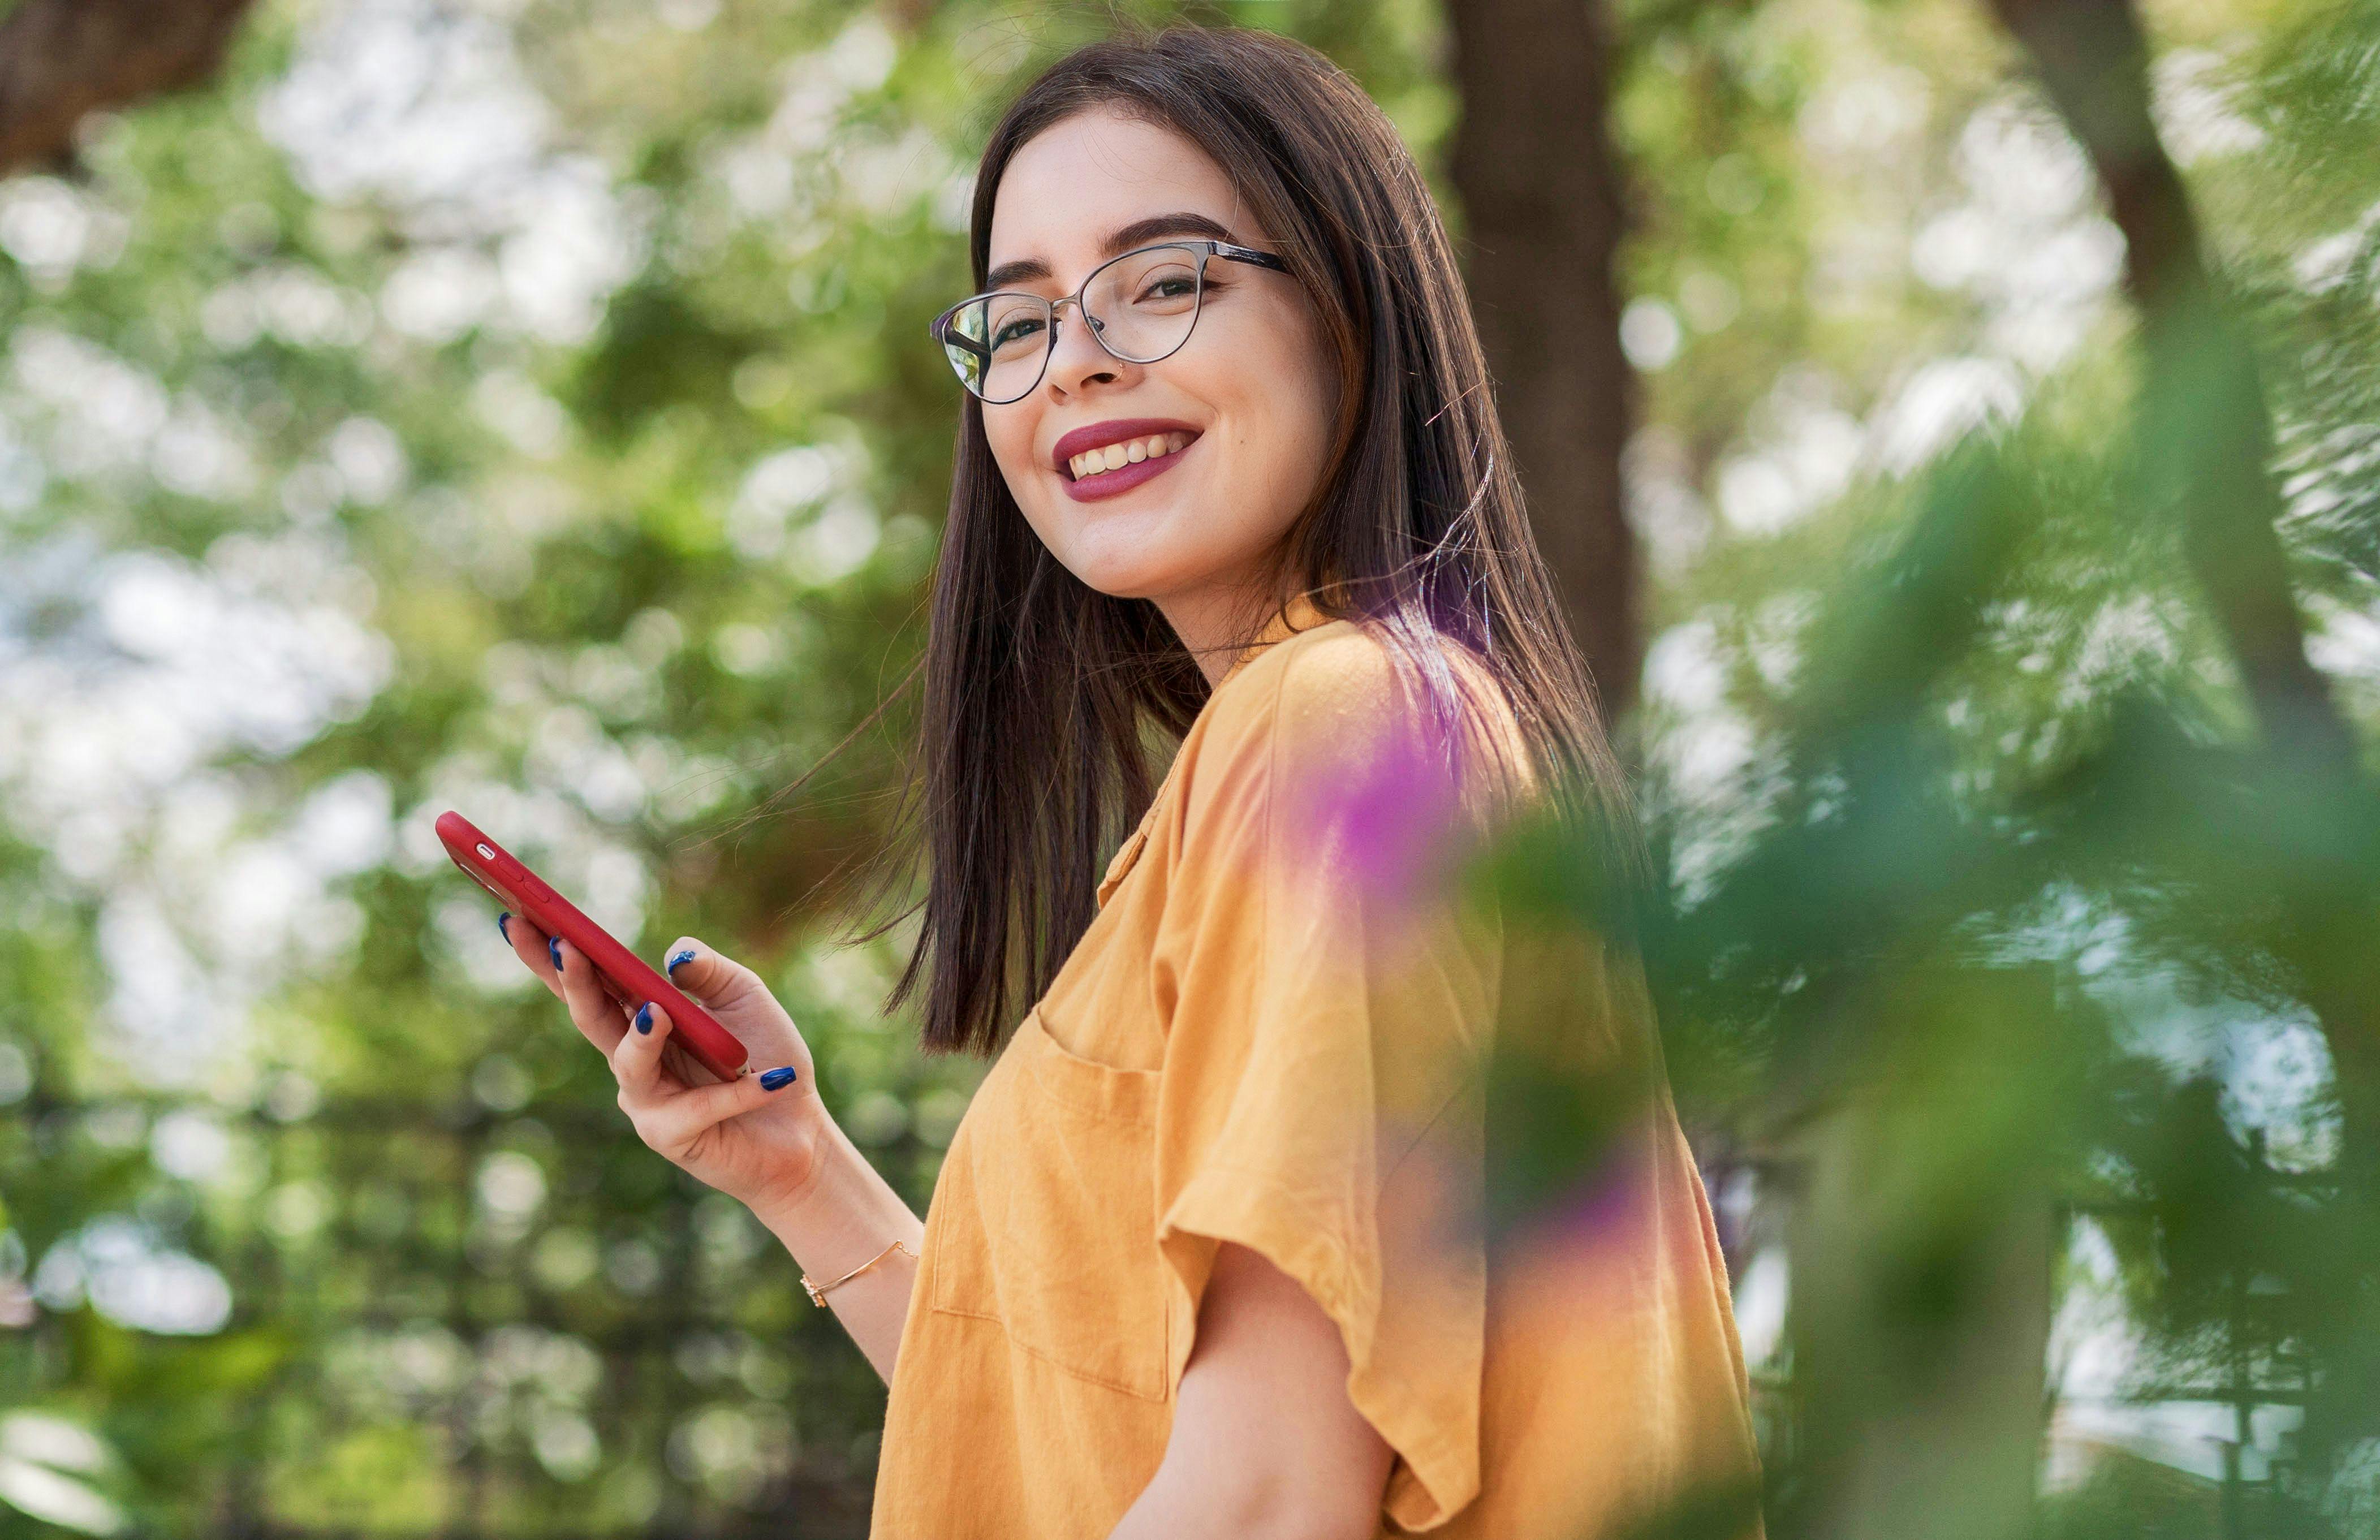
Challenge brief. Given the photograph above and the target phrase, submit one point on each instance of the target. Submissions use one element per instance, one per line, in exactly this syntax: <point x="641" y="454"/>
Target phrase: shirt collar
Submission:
<point x="1300" y="613"/>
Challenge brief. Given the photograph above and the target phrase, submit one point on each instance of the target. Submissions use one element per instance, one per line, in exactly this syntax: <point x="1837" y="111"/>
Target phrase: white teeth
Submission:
<point x="1093" y="462"/>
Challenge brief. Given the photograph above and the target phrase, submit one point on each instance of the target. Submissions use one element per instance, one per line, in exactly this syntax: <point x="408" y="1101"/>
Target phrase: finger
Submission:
<point x="531" y="946"/>
<point x="596" y="1015"/>
<point x="636" y="1060"/>
<point x="673" y="1123"/>
<point x="720" y="983"/>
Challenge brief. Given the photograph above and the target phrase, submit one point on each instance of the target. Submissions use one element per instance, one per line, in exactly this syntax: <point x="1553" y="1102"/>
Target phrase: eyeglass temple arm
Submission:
<point x="1244" y="254"/>
<point x="964" y="343"/>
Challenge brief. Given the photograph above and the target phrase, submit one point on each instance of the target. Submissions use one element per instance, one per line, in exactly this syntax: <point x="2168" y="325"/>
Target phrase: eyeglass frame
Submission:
<point x="1206" y="247"/>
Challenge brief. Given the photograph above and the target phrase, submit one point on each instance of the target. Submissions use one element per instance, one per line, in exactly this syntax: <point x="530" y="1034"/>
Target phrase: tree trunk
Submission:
<point x="1542" y="206"/>
<point x="63" y="59"/>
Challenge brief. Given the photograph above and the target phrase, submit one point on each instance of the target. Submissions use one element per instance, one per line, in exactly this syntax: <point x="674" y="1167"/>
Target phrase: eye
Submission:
<point x="1175" y="286"/>
<point x="1012" y="331"/>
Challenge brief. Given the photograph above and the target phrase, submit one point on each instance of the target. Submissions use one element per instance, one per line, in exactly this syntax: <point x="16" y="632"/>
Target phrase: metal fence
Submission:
<point x="513" y="1320"/>
<point x="484" y="1320"/>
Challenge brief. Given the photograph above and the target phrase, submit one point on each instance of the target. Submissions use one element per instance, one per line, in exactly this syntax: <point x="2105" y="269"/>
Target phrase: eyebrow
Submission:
<point x="1140" y="232"/>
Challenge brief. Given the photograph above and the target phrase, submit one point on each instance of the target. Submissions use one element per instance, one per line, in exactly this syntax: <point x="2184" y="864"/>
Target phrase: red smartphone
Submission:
<point x="625" y="975"/>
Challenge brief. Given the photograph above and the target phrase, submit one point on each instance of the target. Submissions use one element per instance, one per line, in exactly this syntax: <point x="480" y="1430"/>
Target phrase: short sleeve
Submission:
<point x="1327" y="1006"/>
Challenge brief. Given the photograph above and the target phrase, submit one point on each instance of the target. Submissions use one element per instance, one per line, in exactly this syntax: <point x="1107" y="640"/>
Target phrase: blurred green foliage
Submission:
<point x="2021" y="928"/>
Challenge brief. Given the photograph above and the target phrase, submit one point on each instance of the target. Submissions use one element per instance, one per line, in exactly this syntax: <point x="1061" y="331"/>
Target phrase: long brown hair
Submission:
<point x="1040" y="691"/>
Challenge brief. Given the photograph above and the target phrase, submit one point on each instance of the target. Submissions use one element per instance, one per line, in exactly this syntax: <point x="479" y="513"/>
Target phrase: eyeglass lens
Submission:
<point x="1140" y="305"/>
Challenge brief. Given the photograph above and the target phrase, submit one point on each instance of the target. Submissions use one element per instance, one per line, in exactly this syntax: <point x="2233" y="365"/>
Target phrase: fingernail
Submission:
<point x="680" y="960"/>
<point x="776" y="1079"/>
<point x="553" y="950"/>
<point x="645" y="1016"/>
<point x="505" y="925"/>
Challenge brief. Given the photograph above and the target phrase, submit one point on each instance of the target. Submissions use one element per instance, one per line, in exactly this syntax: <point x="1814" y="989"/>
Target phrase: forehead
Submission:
<point x="1081" y="177"/>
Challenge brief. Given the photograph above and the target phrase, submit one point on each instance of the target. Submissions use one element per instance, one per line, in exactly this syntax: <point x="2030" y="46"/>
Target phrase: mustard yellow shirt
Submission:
<point x="1272" y="1034"/>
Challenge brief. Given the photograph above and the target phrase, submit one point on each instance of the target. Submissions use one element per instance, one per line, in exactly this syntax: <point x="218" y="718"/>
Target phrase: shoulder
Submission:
<point x="1339" y="707"/>
<point x="1325" y="678"/>
<point x="1326" y="689"/>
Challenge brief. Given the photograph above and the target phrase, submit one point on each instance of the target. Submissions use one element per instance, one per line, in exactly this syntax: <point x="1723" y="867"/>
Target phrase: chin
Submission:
<point x="1128" y="558"/>
<point x="1129" y="577"/>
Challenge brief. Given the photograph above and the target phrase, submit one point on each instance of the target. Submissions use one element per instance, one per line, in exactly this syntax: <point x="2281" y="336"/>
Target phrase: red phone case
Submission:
<point x="625" y="977"/>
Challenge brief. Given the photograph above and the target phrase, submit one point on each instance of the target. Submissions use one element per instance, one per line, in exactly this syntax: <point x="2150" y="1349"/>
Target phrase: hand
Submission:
<point x="757" y="1138"/>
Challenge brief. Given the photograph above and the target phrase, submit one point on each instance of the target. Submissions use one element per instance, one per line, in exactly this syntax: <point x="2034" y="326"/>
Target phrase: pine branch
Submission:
<point x="2207" y="429"/>
<point x="2205" y="454"/>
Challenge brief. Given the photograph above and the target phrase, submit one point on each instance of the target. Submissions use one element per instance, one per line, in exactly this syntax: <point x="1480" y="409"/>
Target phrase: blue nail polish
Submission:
<point x="505" y="927"/>
<point x="645" y="1017"/>
<point x="553" y="950"/>
<point x="680" y="961"/>
<point x="776" y="1079"/>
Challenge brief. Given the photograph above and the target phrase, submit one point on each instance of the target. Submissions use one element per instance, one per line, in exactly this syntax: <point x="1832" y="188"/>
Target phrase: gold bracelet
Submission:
<point x="817" y="1290"/>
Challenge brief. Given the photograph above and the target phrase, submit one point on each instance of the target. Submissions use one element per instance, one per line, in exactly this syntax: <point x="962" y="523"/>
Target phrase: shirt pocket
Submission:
<point x="1052" y="1228"/>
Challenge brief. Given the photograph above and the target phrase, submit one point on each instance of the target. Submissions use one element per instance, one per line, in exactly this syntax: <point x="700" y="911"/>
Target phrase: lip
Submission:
<point x="1099" y="435"/>
<point x="1114" y="484"/>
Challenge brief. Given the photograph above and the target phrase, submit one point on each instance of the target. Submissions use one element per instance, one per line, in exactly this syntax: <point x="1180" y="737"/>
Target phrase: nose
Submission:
<point x="1076" y="359"/>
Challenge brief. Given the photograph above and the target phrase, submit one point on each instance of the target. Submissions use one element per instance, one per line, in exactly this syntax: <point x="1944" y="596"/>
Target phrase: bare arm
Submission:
<point x="849" y="1214"/>
<point x="1265" y="1445"/>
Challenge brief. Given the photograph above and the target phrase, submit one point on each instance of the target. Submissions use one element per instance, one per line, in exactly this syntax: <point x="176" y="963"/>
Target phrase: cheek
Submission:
<point x="1010" y="438"/>
<point x="1011" y="443"/>
<point x="1289" y="409"/>
<point x="1321" y="395"/>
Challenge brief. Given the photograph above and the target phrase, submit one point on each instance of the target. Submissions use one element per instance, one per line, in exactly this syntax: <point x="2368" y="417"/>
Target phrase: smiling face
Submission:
<point x="1241" y="412"/>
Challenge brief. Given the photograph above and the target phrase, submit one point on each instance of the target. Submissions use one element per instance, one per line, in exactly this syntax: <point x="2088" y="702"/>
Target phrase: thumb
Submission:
<point x="719" y="982"/>
<point x="677" y="1121"/>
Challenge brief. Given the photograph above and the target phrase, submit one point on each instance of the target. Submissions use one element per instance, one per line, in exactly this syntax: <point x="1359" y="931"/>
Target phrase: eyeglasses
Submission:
<point x="1141" y="307"/>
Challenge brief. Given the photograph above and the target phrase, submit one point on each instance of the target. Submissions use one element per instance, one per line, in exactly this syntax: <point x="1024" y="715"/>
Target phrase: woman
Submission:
<point x="1202" y="1258"/>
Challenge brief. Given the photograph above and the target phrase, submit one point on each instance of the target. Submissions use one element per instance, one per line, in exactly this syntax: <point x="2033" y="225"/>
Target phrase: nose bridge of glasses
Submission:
<point x="1095" y="327"/>
<point x="1082" y="307"/>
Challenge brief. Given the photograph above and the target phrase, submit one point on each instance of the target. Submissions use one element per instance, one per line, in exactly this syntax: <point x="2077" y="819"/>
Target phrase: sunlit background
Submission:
<point x="524" y="406"/>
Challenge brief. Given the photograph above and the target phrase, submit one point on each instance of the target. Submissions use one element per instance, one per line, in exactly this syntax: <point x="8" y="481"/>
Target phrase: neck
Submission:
<point x="1216" y="622"/>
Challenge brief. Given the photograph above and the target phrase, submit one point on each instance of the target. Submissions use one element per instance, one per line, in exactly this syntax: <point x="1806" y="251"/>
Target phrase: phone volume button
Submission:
<point x="518" y="876"/>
